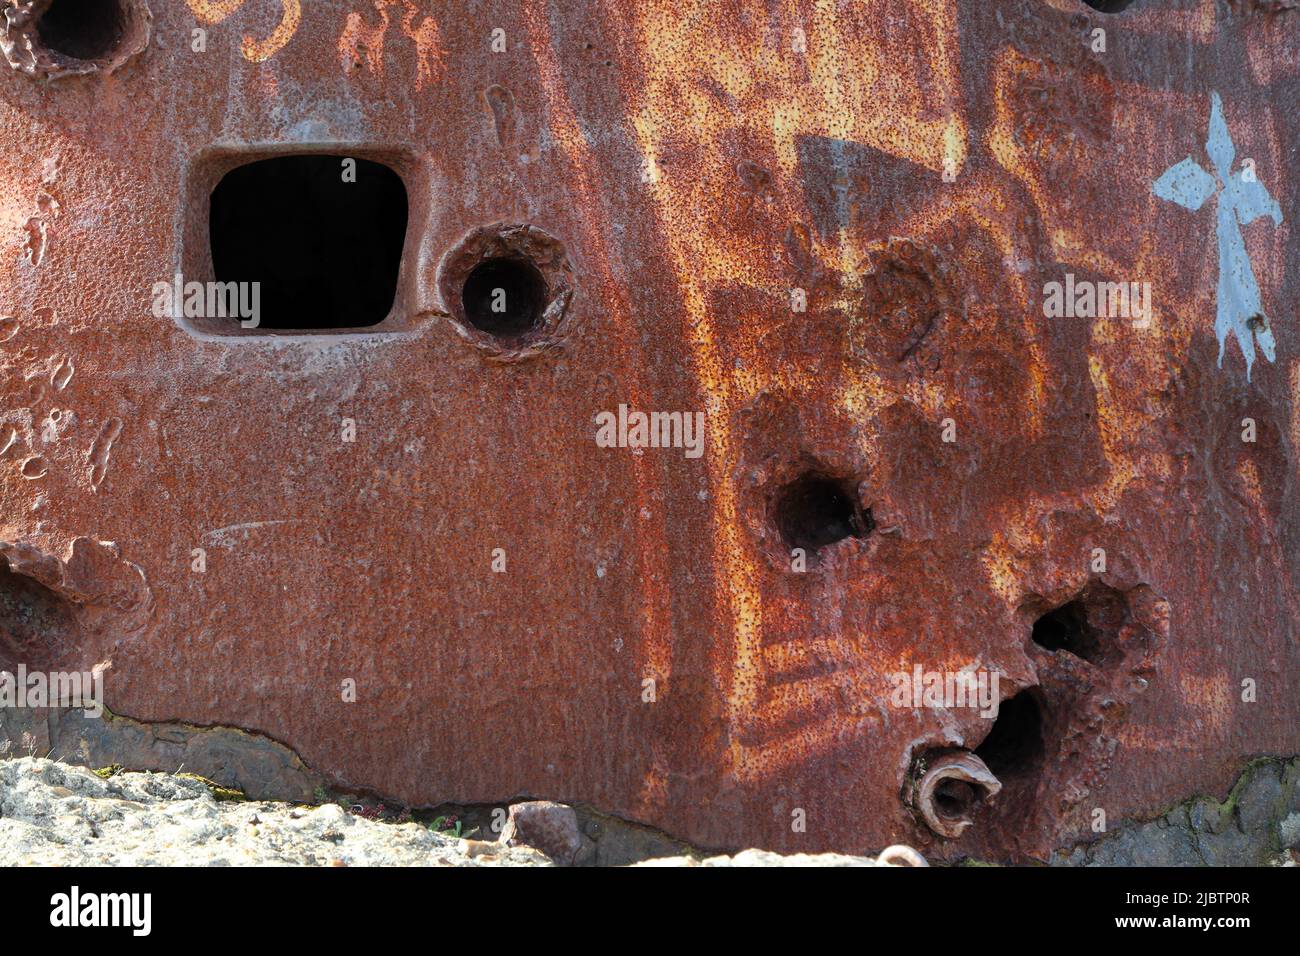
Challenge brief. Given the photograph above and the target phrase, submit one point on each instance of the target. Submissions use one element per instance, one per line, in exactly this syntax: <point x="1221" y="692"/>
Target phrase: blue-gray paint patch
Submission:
<point x="857" y="188"/>
<point x="1242" y="200"/>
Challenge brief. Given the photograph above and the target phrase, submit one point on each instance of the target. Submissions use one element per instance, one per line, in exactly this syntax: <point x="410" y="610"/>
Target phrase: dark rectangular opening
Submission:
<point x="321" y="234"/>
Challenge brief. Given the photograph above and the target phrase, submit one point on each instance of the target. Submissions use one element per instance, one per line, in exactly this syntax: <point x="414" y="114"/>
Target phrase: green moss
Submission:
<point x="1229" y="804"/>
<point x="1247" y="775"/>
<point x="219" y="793"/>
<point x="1206" y="818"/>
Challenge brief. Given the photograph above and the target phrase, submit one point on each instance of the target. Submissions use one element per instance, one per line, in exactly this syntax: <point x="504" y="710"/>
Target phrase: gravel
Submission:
<point x="52" y="813"/>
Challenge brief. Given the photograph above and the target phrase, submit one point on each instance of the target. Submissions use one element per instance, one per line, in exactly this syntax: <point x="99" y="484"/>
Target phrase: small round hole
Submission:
<point x="1064" y="629"/>
<point x="504" y="297"/>
<point x="953" y="798"/>
<point x="1086" y="632"/>
<point x="814" y="511"/>
<point x="83" y="29"/>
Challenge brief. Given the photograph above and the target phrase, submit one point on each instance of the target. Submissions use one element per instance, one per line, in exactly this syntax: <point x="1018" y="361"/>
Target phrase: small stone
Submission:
<point x="1261" y="799"/>
<point x="1206" y="816"/>
<point x="328" y="813"/>
<point x="1290" y="831"/>
<point x="549" y="827"/>
<point x="476" y="848"/>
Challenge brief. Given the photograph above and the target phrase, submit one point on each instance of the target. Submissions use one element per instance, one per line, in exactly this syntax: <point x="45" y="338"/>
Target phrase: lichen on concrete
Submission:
<point x="1257" y="824"/>
<point x="231" y="758"/>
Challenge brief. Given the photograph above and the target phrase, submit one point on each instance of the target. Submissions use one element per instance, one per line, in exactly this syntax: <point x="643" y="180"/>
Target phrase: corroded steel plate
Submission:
<point x="851" y="239"/>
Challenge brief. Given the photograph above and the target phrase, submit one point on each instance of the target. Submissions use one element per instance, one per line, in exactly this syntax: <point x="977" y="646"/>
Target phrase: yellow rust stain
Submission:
<point x="428" y="45"/>
<point x="1117" y="433"/>
<point x="1210" y="697"/>
<point x="358" y="42"/>
<point x="214" y="11"/>
<point x="1160" y="740"/>
<point x="362" y="45"/>
<point x="256" y="51"/>
<point x="657" y="630"/>
<point x="253" y="49"/>
<point x="779" y="96"/>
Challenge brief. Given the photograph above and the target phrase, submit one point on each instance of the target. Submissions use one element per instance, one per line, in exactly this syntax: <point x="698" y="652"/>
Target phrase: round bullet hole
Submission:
<point x="1109" y="6"/>
<point x="83" y="29"/>
<point x="1088" y="627"/>
<point x="954" y="798"/>
<point x="37" y="625"/>
<point x="507" y="288"/>
<point x="1066" y="629"/>
<point x="815" y="511"/>
<point x="54" y="38"/>
<point x="504" y="297"/>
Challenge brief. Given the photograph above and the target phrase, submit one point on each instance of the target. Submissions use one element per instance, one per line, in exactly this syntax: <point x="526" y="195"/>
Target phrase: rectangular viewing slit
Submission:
<point x="307" y="241"/>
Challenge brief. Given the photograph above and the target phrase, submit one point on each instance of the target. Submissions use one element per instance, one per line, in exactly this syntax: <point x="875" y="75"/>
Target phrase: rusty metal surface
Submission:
<point x="686" y="166"/>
